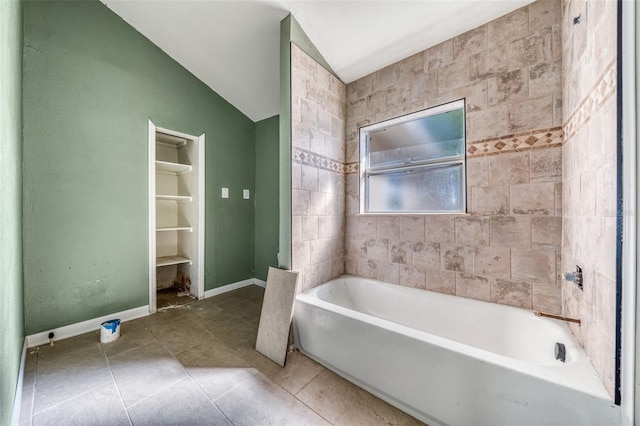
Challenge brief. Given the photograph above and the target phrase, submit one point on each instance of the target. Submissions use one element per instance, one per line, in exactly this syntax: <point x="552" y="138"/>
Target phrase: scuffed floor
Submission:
<point x="194" y="364"/>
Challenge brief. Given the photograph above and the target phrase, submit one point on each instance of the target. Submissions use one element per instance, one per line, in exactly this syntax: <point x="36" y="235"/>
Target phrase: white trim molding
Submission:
<point x="229" y="287"/>
<point x="85" y="326"/>
<point x="260" y="283"/>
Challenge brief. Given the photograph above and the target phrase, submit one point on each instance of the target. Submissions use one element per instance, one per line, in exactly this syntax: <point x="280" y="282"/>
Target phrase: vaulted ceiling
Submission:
<point x="233" y="46"/>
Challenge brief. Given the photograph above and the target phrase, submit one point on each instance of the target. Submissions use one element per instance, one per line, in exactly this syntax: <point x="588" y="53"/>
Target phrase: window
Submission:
<point x="415" y="163"/>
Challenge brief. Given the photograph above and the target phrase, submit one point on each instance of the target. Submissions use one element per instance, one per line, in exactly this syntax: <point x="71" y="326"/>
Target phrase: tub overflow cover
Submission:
<point x="561" y="352"/>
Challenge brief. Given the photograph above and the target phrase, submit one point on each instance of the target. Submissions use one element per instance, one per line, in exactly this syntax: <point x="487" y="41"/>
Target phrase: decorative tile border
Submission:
<point x="524" y="141"/>
<point x="308" y="158"/>
<point x="604" y="88"/>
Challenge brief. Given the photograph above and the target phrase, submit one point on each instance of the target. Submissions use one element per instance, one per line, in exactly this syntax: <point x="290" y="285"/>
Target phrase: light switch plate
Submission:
<point x="225" y="192"/>
<point x="245" y="194"/>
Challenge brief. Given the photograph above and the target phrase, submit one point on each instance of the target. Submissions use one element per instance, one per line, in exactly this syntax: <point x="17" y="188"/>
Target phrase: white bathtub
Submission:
<point x="450" y="360"/>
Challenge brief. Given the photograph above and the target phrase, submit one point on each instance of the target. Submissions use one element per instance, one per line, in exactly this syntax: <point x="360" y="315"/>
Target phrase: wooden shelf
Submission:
<point x="174" y="197"/>
<point x="177" y="168"/>
<point x="171" y="260"/>
<point x="175" y="228"/>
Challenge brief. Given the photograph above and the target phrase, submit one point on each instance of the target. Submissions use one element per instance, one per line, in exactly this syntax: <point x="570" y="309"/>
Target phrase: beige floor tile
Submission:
<point x="66" y="374"/>
<point x="342" y="403"/>
<point x="258" y="401"/>
<point x="101" y="406"/>
<point x="144" y="371"/>
<point x="233" y="331"/>
<point x="186" y="335"/>
<point x="133" y="334"/>
<point x="181" y="404"/>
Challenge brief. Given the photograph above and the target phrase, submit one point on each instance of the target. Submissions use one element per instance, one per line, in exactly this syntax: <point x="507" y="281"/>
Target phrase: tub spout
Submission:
<point x="560" y="317"/>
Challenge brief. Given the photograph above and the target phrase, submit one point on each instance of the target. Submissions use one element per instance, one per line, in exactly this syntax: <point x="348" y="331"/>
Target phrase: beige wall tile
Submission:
<point x="492" y="261"/>
<point x="512" y="26"/>
<point x="508" y="86"/>
<point x="366" y="226"/>
<point x="309" y="178"/>
<point x="544" y="13"/>
<point x="401" y="252"/>
<point x="411" y="228"/>
<point x="296" y="176"/>
<point x="490" y="63"/>
<point x="300" y="254"/>
<point x="491" y="200"/>
<point x="325" y="227"/>
<point x="456" y="258"/>
<point x="545" y="78"/>
<point x="531" y="114"/>
<point x="317" y="203"/>
<point x="547" y="298"/>
<point x="605" y="188"/>
<point x="487" y="123"/>
<point x="470" y="43"/>
<point x="441" y="281"/>
<point x="453" y="76"/>
<point x="533" y="199"/>
<point x="533" y="266"/>
<point x="296" y="228"/>
<point x="530" y="50"/>
<point x="509" y="169"/>
<point x="387" y="227"/>
<point x="546" y="232"/>
<point x="426" y="256"/>
<point x="472" y="231"/>
<point x="389" y="272"/>
<point x="473" y="286"/>
<point x="511" y="231"/>
<point x="367" y="268"/>
<point x="412" y="277"/>
<point x="438" y="56"/>
<point x="512" y="293"/>
<point x="477" y="172"/>
<point x="386" y="77"/>
<point x="351" y="266"/>
<point x="546" y="165"/>
<point x="309" y="228"/>
<point x="439" y="229"/>
<point x="377" y="249"/>
<point x="300" y="202"/>
<point x="475" y="96"/>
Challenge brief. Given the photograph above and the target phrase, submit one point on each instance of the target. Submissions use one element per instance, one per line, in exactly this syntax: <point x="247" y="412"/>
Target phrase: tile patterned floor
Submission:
<point x="190" y="365"/>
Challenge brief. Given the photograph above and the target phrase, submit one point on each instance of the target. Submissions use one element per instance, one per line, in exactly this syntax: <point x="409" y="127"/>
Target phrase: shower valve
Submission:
<point x="575" y="277"/>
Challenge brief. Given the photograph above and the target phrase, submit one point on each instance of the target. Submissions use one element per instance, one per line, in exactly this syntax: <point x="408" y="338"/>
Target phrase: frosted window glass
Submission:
<point x="436" y="189"/>
<point x="437" y="136"/>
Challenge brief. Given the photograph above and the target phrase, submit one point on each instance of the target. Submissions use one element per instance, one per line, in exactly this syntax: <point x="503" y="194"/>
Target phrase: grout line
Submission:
<point x="116" y="385"/>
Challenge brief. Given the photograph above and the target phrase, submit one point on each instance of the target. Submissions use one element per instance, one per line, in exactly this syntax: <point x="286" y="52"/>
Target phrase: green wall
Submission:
<point x="91" y="82"/>
<point x="11" y="298"/>
<point x="266" y="196"/>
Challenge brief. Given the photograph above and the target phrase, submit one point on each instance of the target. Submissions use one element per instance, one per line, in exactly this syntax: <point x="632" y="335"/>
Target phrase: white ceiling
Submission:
<point x="233" y="46"/>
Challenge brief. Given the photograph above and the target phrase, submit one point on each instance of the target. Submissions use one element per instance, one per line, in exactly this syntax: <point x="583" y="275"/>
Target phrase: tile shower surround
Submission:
<point x="318" y="192"/>
<point x="589" y="177"/>
<point x="520" y="141"/>
<point x="507" y="248"/>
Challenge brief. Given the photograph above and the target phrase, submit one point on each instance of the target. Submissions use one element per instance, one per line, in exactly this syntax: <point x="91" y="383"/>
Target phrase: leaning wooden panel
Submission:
<point x="276" y="315"/>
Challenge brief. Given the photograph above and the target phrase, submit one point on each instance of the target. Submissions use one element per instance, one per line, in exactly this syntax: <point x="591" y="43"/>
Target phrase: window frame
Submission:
<point x="366" y="170"/>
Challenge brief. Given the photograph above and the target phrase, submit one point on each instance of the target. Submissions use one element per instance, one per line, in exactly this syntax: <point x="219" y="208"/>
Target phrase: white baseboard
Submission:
<point x="85" y="326"/>
<point x="17" y="400"/>
<point x="131" y="314"/>
<point x="229" y="287"/>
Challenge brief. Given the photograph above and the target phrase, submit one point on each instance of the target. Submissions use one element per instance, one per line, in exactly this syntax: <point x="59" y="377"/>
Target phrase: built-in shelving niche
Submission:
<point x="176" y="212"/>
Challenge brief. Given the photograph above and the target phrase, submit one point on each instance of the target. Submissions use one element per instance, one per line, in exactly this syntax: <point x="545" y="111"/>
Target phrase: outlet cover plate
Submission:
<point x="225" y="192"/>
